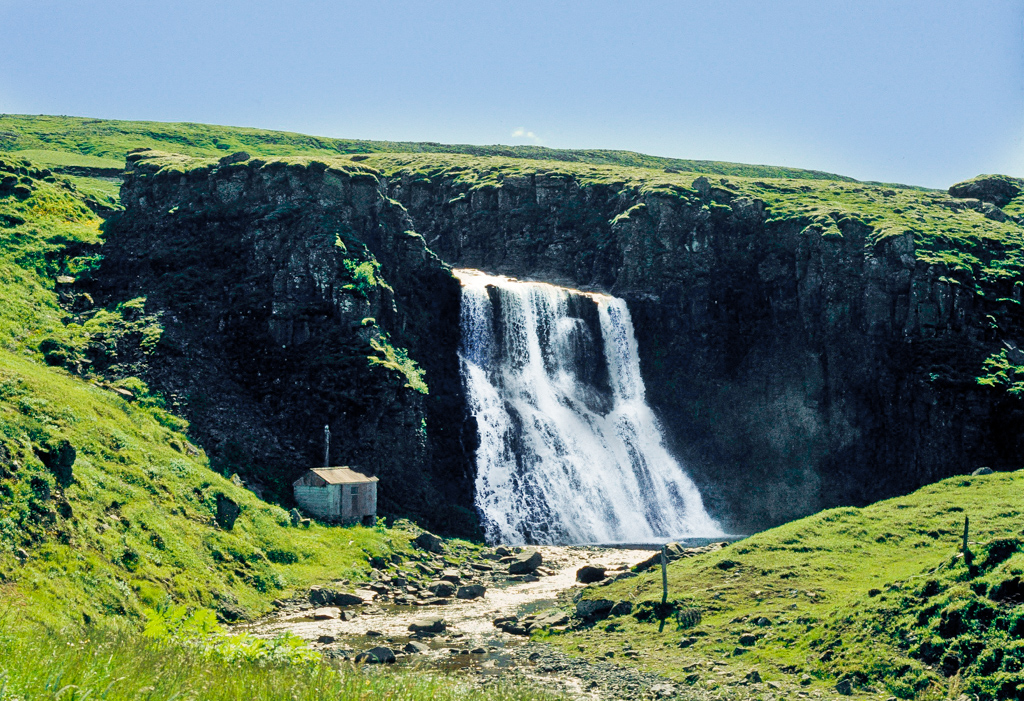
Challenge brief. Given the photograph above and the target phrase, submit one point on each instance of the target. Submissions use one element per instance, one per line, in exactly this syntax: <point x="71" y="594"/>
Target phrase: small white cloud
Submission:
<point x="522" y="133"/>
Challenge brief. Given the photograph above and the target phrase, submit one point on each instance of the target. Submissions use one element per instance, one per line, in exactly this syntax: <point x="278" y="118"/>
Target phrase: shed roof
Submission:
<point x="341" y="475"/>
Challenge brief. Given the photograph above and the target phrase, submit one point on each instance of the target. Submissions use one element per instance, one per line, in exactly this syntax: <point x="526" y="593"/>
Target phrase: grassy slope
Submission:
<point x="136" y="525"/>
<point x="877" y="595"/>
<point x="124" y="667"/>
<point x="110" y="139"/>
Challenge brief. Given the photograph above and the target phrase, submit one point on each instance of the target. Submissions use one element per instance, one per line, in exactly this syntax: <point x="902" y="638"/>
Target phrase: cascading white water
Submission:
<point x="569" y="450"/>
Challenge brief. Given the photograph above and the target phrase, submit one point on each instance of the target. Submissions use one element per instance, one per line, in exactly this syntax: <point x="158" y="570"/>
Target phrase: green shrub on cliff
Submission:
<point x="397" y="359"/>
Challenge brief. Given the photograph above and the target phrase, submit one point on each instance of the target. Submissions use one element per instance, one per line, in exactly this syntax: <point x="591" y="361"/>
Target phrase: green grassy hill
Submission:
<point x="107" y="140"/>
<point x="879" y="596"/>
<point x="105" y="506"/>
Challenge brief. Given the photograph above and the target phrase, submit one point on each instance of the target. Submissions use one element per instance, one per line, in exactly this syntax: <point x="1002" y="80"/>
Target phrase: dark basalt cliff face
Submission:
<point x="795" y="367"/>
<point x="795" y="362"/>
<point x="288" y="293"/>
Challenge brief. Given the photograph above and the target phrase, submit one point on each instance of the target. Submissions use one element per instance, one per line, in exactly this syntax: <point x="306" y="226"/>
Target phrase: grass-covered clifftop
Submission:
<point x="880" y="596"/>
<point x="110" y="139"/>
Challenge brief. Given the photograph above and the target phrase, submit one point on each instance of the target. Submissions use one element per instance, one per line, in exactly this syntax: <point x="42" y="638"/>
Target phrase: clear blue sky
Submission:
<point x="927" y="92"/>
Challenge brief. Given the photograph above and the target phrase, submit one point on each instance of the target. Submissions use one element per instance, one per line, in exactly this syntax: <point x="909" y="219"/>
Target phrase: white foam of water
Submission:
<point x="562" y="459"/>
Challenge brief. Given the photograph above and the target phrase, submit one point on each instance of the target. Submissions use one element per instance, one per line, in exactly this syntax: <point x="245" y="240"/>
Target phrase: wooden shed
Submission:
<point x="337" y="494"/>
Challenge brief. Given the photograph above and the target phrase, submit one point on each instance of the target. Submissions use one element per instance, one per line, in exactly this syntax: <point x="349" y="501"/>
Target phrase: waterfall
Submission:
<point x="569" y="450"/>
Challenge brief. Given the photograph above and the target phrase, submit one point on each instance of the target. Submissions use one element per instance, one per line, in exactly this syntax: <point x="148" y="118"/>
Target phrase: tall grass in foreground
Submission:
<point x="117" y="664"/>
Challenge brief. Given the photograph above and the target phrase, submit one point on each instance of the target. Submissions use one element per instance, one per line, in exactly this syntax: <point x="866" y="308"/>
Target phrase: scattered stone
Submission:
<point x="325" y="614"/>
<point x="428" y="624"/>
<point x="874" y="592"/>
<point x="663" y="691"/>
<point x="588" y="574"/>
<point x="415" y="648"/>
<point x="740" y="651"/>
<point x="377" y="655"/>
<point x="754" y="677"/>
<point x="593" y="608"/>
<point x="748" y="640"/>
<point x="471" y="591"/>
<point x="22" y="554"/>
<point x="982" y="471"/>
<point x="482" y="567"/>
<point x="237" y="157"/>
<point x="227" y="512"/>
<point x="478" y="651"/>
<point x="326" y="639"/>
<point x="451" y="576"/>
<point x="554" y="617"/>
<point x="623" y="608"/>
<point x="429" y="542"/>
<point x="687" y="642"/>
<point x="502" y="551"/>
<point x="442" y="589"/>
<point x="805" y="679"/>
<point x="321" y="596"/>
<point x="525" y="562"/>
<point x="994" y="189"/>
<point x="845" y="687"/>
<point x="373" y="634"/>
<point x="510" y="625"/>
<point x="763" y="622"/>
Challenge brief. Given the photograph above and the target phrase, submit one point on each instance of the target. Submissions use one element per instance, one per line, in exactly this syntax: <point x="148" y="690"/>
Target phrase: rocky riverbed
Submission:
<point x="430" y="610"/>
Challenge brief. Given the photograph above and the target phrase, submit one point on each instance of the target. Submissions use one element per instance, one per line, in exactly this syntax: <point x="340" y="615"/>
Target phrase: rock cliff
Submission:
<point x="295" y="295"/>
<point x="804" y="345"/>
<point x="800" y="356"/>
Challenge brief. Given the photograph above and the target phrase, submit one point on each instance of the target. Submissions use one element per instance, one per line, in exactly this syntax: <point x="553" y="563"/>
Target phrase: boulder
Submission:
<point x="593" y="608"/>
<point x="450" y="575"/>
<point x="376" y="655"/>
<point x="747" y="640"/>
<point x="547" y="619"/>
<point x="754" y="677"/>
<point x="428" y="624"/>
<point x="623" y="608"/>
<point x="415" y="648"/>
<point x="995" y="189"/>
<point x="525" y="562"/>
<point x="471" y="591"/>
<point x="237" y="157"/>
<point x="982" y="471"/>
<point x="442" y="589"/>
<point x="321" y="596"/>
<point x="844" y="687"/>
<point x="325" y="614"/>
<point x="59" y="459"/>
<point x="663" y="691"/>
<point x="326" y="639"/>
<point x="429" y="542"/>
<point x="295" y="516"/>
<point x="673" y="551"/>
<point x="588" y="574"/>
<point x="227" y="512"/>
